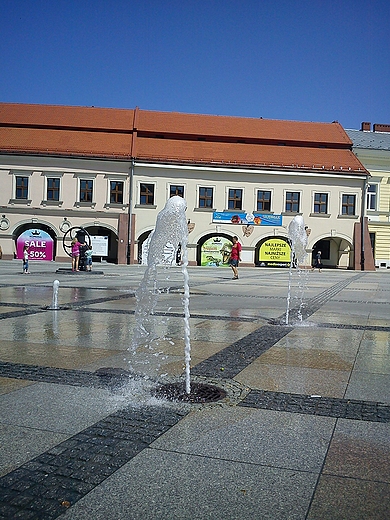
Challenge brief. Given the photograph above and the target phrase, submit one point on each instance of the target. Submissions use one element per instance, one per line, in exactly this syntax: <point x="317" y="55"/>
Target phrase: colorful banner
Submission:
<point x="215" y="252"/>
<point x="40" y="245"/>
<point x="253" y="219"/>
<point x="275" y="252"/>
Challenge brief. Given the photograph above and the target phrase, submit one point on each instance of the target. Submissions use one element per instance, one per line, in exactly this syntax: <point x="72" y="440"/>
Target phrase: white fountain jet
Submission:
<point x="171" y="230"/>
<point x="298" y="241"/>
<point x="54" y="303"/>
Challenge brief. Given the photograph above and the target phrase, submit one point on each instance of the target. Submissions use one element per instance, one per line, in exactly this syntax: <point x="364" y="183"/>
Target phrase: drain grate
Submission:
<point x="200" y="393"/>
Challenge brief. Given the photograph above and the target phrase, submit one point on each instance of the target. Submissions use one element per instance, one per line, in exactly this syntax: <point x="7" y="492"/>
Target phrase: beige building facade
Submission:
<point x="372" y="147"/>
<point x="111" y="171"/>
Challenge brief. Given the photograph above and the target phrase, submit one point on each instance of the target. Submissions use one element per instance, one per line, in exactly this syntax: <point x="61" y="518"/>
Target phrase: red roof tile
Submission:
<point x="65" y="142"/>
<point x="66" y="117"/>
<point x="241" y="127"/>
<point x="175" y="138"/>
<point x="167" y="150"/>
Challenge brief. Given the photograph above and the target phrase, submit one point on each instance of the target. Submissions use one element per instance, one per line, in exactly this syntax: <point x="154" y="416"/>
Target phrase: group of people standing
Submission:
<point x="81" y="256"/>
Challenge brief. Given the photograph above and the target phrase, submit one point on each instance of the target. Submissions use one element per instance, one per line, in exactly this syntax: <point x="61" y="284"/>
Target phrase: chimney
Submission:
<point x="366" y="127"/>
<point x="381" y="128"/>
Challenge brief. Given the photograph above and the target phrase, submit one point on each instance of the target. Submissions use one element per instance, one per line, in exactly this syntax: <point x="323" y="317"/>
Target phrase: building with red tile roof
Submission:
<point x="111" y="170"/>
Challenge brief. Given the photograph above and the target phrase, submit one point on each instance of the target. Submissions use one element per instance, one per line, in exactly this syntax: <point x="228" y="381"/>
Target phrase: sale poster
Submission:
<point x="40" y="245"/>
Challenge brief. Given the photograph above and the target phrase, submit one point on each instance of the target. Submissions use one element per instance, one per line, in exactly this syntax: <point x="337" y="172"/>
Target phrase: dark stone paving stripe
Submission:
<point x="51" y="375"/>
<point x="17" y="314"/>
<point x="234" y="358"/>
<point x="374" y="328"/>
<point x="43" y="488"/>
<point x="179" y="315"/>
<point x="326" y="406"/>
<point x="105" y="299"/>
<point x="34" y="309"/>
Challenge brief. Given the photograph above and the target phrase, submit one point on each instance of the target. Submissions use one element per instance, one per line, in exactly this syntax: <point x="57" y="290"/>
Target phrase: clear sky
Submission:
<point x="307" y="60"/>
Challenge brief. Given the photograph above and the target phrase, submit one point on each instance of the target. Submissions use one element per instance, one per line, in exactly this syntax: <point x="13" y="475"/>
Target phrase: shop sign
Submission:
<point x="99" y="245"/>
<point x="275" y="252"/>
<point x="40" y="245"/>
<point x="252" y="219"/>
<point x="215" y="252"/>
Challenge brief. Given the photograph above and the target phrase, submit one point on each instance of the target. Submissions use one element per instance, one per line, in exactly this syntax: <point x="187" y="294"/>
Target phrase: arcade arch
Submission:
<point x="105" y="231"/>
<point x="336" y="252"/>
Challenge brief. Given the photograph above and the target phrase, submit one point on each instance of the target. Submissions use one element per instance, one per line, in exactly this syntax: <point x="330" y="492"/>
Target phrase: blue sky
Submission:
<point x="307" y="60"/>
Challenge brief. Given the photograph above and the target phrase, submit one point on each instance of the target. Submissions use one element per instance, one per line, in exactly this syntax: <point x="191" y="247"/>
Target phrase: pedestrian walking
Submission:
<point x="317" y="262"/>
<point x="25" y="260"/>
<point x="235" y="257"/>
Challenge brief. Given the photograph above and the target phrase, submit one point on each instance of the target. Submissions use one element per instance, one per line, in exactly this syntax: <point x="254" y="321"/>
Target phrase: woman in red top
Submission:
<point x="235" y="257"/>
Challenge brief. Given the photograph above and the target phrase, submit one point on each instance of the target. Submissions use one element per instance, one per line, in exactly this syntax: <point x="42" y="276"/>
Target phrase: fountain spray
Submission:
<point x="171" y="228"/>
<point x="298" y="240"/>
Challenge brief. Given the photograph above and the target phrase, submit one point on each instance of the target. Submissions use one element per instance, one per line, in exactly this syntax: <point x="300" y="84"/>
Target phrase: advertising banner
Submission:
<point x="275" y="252"/>
<point x="216" y="252"/>
<point x="99" y="245"/>
<point x="253" y="219"/>
<point x="40" y="245"/>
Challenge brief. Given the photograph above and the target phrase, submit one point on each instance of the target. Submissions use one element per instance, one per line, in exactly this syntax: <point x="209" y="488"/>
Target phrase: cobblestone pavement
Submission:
<point x="302" y="433"/>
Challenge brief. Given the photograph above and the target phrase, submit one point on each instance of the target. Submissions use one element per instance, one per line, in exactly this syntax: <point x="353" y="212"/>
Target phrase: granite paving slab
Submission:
<point x="360" y="450"/>
<point x="340" y="498"/>
<point x="57" y="408"/>
<point x="157" y="485"/>
<point x="291" y="441"/>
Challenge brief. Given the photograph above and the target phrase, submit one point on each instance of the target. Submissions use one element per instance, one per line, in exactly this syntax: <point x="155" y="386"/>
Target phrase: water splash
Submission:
<point x="298" y="240"/>
<point x="170" y="233"/>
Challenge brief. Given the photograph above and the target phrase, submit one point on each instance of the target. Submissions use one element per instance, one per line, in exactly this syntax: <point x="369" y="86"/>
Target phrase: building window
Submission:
<point x="235" y="199"/>
<point x="174" y="189"/>
<point x="53" y="190"/>
<point x="86" y="190"/>
<point x="348" y="205"/>
<point x="372" y="241"/>
<point x="146" y="194"/>
<point x="205" y="197"/>
<point x="372" y="196"/>
<point x="263" y="200"/>
<point x="292" y="201"/>
<point x="21" y="188"/>
<point x="116" y="192"/>
<point x="321" y="203"/>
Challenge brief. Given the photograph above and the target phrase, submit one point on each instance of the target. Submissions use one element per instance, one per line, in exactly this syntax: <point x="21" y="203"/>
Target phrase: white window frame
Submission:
<point x="369" y="196"/>
<point x="285" y="200"/>
<point x="227" y="198"/>
<point x="116" y="178"/>
<point x="138" y="204"/>
<point x="205" y="185"/>
<point x="52" y="175"/>
<point x="170" y="183"/>
<point x="271" y="190"/>
<point x="313" y="194"/>
<point x="21" y="173"/>
<point x="357" y="208"/>
<point x="85" y="177"/>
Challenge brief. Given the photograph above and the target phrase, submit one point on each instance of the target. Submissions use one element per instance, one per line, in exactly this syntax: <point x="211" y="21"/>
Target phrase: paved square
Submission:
<point x="303" y="432"/>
